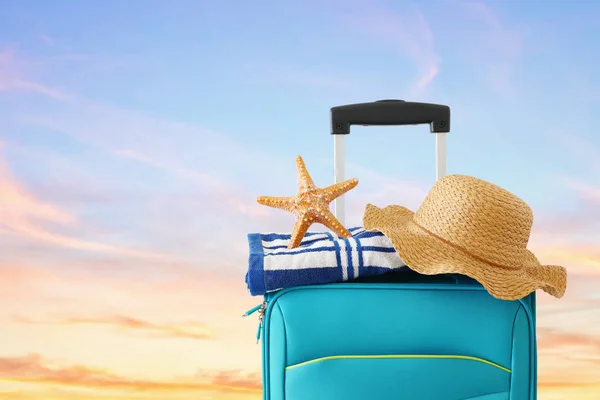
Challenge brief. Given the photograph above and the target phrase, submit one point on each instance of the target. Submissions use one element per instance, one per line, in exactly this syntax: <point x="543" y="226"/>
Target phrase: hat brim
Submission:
<point x="428" y="255"/>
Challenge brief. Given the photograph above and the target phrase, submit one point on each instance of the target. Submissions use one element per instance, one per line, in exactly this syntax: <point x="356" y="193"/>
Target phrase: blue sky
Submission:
<point x="135" y="137"/>
<point x="233" y="91"/>
<point x="266" y="73"/>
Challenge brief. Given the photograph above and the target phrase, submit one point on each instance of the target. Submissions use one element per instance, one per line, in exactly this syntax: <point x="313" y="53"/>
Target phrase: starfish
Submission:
<point x="311" y="204"/>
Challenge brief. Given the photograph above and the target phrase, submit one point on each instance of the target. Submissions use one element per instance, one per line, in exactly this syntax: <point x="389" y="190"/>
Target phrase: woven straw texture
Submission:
<point x="472" y="227"/>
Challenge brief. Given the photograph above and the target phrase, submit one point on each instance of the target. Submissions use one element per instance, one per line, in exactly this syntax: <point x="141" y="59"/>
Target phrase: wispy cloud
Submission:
<point x="216" y="193"/>
<point x="486" y="32"/>
<point x="35" y="369"/>
<point x="21" y="213"/>
<point x="12" y="77"/>
<point x="47" y="40"/>
<point x="552" y="338"/>
<point x="107" y="294"/>
<point x="204" y="179"/>
<point x="201" y="168"/>
<point x="408" y="33"/>
<point x="187" y="330"/>
<point x="19" y="207"/>
<point x="301" y="77"/>
<point x="576" y="256"/>
<point x="561" y="351"/>
<point x="588" y="192"/>
<point x="189" y="153"/>
<point x="558" y="389"/>
<point x="579" y="223"/>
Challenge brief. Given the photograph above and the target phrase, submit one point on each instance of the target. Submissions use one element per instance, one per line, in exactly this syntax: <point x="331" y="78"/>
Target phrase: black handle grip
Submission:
<point x="390" y="112"/>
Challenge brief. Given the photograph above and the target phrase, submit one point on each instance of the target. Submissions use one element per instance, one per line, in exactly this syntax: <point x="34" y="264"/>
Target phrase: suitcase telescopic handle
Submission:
<point x="386" y="113"/>
<point x="390" y="112"/>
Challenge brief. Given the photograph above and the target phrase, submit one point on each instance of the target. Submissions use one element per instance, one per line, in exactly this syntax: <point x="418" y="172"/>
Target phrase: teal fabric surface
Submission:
<point x="387" y="341"/>
<point x="396" y="379"/>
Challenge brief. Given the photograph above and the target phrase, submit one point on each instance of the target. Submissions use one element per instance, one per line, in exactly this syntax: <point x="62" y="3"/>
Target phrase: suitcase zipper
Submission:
<point x="261" y="308"/>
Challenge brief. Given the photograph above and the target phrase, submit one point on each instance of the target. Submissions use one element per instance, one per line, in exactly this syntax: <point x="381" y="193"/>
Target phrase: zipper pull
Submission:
<point x="252" y="310"/>
<point x="261" y="316"/>
<point x="261" y="308"/>
<point x="258" y="332"/>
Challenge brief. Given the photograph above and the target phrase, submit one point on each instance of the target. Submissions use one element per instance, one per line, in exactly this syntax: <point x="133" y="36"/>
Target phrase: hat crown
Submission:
<point x="479" y="217"/>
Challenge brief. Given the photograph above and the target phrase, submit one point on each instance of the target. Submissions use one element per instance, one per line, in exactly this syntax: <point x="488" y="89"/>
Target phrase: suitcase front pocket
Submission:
<point x="422" y="377"/>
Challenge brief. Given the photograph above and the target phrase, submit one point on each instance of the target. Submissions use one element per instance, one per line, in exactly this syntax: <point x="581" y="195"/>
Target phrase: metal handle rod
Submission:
<point x="338" y="176"/>
<point x="440" y="155"/>
<point x="339" y="209"/>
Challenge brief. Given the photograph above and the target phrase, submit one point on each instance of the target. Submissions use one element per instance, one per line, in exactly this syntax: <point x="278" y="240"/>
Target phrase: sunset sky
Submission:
<point x="135" y="137"/>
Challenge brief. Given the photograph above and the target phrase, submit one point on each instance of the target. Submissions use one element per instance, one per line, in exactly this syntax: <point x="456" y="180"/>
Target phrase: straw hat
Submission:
<point x="471" y="227"/>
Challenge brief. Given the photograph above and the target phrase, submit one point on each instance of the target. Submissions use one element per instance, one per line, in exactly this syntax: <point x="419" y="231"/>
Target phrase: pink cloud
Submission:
<point x="183" y="151"/>
<point x="13" y="79"/>
<point x="109" y="287"/>
<point x="22" y="214"/>
<point x="575" y="257"/>
<point x="19" y="208"/>
<point x="427" y="78"/>
<point x="549" y="338"/>
<point x="587" y="191"/>
<point x="35" y="369"/>
<point x="182" y="330"/>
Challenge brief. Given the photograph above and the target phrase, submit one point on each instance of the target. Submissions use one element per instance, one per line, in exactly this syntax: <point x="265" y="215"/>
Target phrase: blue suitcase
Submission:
<point x="401" y="335"/>
<point x="404" y="339"/>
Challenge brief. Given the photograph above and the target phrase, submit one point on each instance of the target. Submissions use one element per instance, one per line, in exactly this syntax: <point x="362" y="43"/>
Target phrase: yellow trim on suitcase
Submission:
<point x="414" y="356"/>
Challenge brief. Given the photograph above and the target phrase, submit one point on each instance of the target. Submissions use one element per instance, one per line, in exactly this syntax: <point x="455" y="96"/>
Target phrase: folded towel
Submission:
<point x="321" y="258"/>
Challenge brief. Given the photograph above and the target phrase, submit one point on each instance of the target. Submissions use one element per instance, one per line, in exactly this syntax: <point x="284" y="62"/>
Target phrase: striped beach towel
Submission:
<point x="321" y="258"/>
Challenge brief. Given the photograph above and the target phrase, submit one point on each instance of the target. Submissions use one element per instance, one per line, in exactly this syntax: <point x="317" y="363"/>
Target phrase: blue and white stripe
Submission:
<point x="322" y="257"/>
